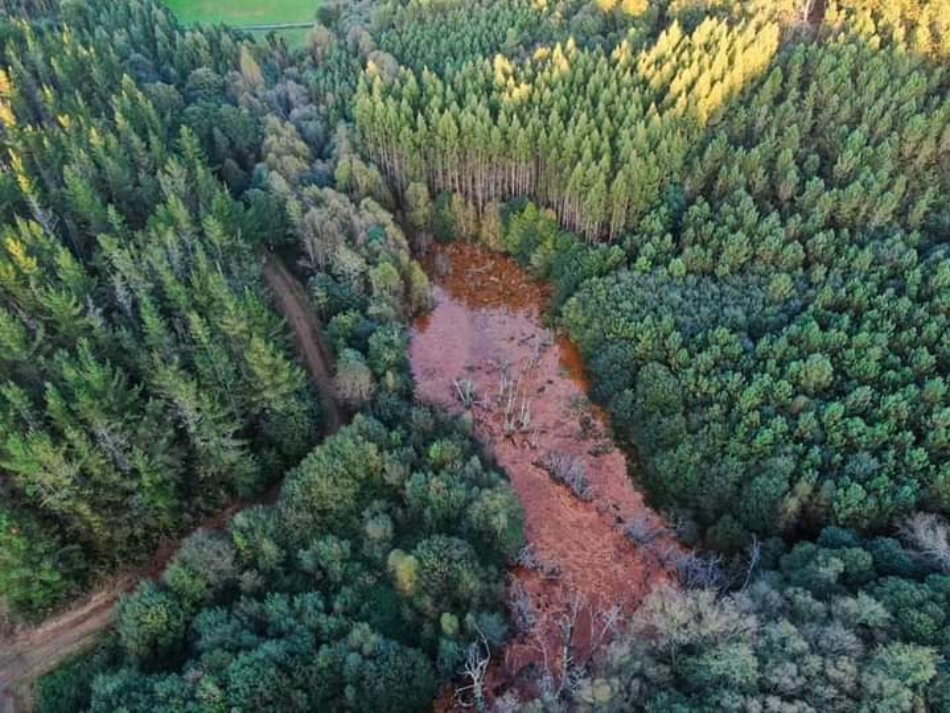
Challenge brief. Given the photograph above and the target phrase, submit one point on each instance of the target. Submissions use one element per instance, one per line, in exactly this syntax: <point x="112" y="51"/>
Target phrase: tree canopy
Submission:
<point x="741" y="207"/>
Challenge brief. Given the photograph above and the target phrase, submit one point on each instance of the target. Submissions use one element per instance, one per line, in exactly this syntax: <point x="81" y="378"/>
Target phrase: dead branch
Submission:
<point x="523" y="612"/>
<point x="477" y="658"/>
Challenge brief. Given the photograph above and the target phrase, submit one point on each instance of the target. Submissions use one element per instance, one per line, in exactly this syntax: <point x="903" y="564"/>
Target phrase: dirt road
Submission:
<point x="294" y="305"/>
<point x="32" y="653"/>
<point x="39" y="650"/>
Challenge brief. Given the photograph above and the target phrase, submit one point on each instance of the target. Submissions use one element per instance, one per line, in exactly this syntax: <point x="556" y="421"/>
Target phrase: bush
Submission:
<point x="568" y="470"/>
<point x="354" y="379"/>
<point x="68" y="688"/>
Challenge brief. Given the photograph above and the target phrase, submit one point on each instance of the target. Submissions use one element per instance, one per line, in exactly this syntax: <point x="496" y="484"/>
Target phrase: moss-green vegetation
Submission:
<point x="366" y="581"/>
<point x="841" y="624"/>
<point x="146" y="380"/>
<point x="768" y="328"/>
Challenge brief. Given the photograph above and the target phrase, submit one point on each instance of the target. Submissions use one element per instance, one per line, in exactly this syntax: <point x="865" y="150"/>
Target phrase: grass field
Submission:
<point x="244" y="12"/>
<point x="240" y="13"/>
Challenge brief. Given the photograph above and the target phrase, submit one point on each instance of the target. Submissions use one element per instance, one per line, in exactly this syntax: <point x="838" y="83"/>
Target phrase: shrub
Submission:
<point x="568" y="470"/>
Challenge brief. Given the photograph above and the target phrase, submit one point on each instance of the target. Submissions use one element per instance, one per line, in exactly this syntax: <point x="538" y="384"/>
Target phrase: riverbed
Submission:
<point x="484" y="351"/>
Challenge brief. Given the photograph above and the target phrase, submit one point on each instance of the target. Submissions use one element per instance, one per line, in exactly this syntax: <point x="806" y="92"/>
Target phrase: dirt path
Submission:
<point x="39" y="650"/>
<point x="294" y="305"/>
<point x="26" y="655"/>
<point x="582" y="574"/>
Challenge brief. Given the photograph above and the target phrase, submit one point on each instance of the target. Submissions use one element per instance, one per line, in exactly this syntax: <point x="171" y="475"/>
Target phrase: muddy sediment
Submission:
<point x="484" y="349"/>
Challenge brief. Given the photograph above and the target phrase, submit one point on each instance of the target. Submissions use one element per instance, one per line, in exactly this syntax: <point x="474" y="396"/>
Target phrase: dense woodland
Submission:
<point x="146" y="380"/>
<point x="743" y="214"/>
<point x="770" y="329"/>
<point x="741" y="208"/>
<point x="841" y="624"/>
<point x="365" y="582"/>
<point x="765" y="222"/>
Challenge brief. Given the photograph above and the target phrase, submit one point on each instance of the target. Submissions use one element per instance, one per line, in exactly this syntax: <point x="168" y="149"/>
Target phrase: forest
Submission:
<point x="740" y="208"/>
<point x="767" y="324"/>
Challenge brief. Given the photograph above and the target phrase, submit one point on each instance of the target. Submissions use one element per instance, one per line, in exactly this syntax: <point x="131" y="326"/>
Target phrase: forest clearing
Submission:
<point x="290" y="19"/>
<point x="483" y="352"/>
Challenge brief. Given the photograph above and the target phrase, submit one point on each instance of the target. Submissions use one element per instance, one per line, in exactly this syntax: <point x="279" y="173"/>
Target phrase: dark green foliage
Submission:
<point x="144" y="378"/>
<point x="773" y="336"/>
<point x="151" y="625"/>
<point x="37" y="569"/>
<point x="442" y="36"/>
<point x="29" y="8"/>
<point x="797" y="320"/>
<point x="280" y="614"/>
<point x="68" y="688"/>
<point x="760" y="293"/>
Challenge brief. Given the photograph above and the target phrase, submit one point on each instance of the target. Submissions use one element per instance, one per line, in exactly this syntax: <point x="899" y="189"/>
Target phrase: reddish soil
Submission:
<point x="489" y="313"/>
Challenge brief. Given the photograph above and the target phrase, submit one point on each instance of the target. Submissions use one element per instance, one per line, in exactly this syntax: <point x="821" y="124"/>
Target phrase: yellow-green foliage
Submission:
<point x="596" y="136"/>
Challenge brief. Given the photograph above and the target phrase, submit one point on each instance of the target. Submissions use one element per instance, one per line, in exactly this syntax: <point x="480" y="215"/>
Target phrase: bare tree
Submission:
<point x="674" y="618"/>
<point x="523" y="612"/>
<point x="465" y="391"/>
<point x="508" y="703"/>
<point x="566" y="663"/>
<point x="604" y="625"/>
<point x="643" y="529"/>
<point x="805" y="10"/>
<point x="561" y="677"/>
<point x="755" y="556"/>
<point x="929" y="534"/>
<point x="697" y="571"/>
<point x="477" y="658"/>
<point x="513" y="397"/>
<point x="667" y="552"/>
<point x="529" y="559"/>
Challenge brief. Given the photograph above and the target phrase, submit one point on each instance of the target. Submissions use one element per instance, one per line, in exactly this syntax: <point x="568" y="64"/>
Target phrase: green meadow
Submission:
<point x="240" y="13"/>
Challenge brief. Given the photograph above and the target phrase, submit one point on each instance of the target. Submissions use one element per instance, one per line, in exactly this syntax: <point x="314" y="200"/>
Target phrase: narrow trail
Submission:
<point x="39" y="650"/>
<point x="294" y="305"/>
<point x="28" y="654"/>
<point x="528" y="404"/>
